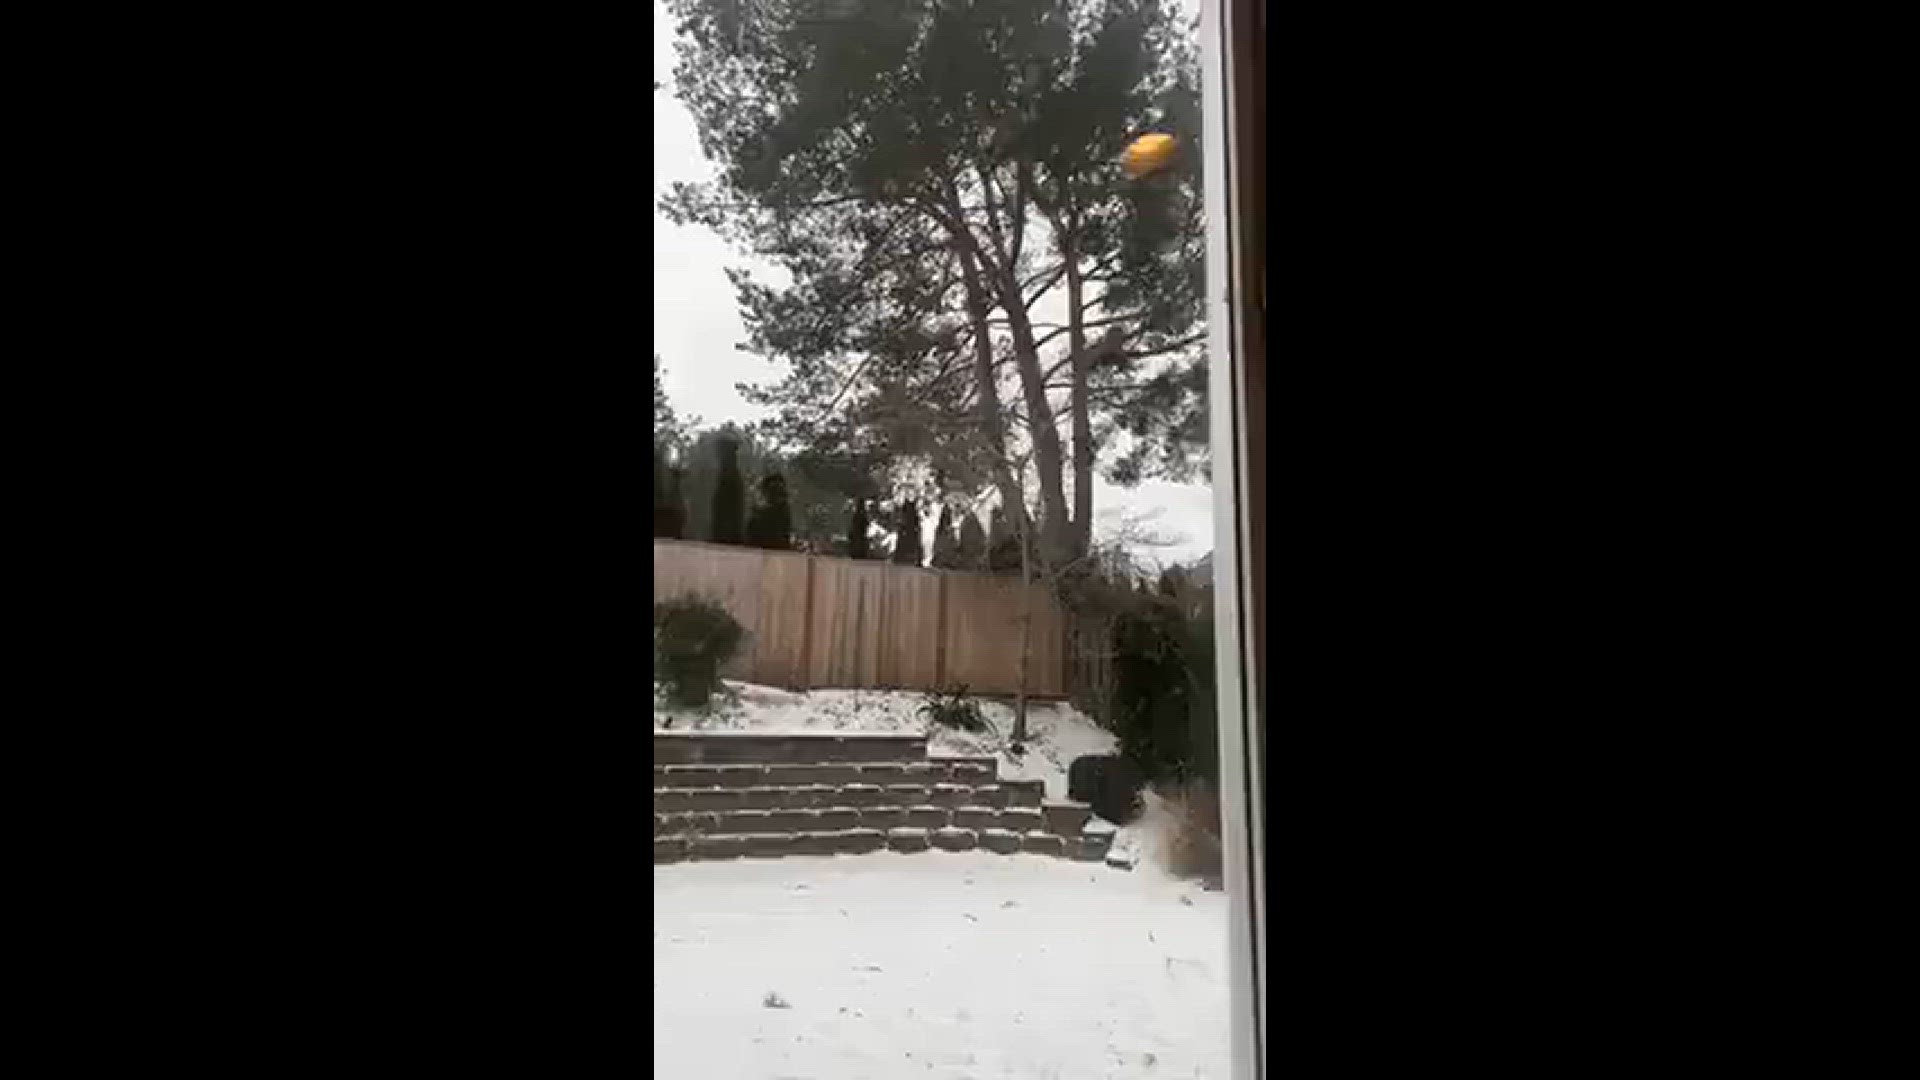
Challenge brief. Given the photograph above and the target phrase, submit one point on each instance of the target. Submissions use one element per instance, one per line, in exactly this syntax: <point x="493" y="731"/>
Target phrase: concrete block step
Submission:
<point x="1094" y="841"/>
<point x="1024" y="792"/>
<point x="955" y="839"/>
<point x="740" y="819"/>
<point x="1090" y="848"/>
<point x="766" y="845"/>
<point x="1000" y="841"/>
<point x="697" y="846"/>
<point x="1018" y="818"/>
<point x="859" y="796"/>
<point x="1043" y="843"/>
<point x="676" y="800"/>
<point x="969" y="771"/>
<point x="1066" y="818"/>
<point x="907" y="840"/>
<point x="752" y="747"/>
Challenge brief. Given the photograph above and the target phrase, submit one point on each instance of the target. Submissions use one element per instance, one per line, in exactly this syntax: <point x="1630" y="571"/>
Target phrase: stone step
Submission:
<point x="759" y="748"/>
<point x="1024" y="792"/>
<point x="761" y="797"/>
<point x="1064" y="818"/>
<point x="699" y="846"/>
<point x="1091" y="846"/>
<point x="972" y="771"/>
<point x="838" y="818"/>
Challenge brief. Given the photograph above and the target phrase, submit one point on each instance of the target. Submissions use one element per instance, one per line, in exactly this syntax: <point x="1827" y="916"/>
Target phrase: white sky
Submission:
<point x="696" y="326"/>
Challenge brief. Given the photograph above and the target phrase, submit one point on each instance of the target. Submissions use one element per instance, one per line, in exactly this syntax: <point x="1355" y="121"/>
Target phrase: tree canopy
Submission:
<point x="980" y="299"/>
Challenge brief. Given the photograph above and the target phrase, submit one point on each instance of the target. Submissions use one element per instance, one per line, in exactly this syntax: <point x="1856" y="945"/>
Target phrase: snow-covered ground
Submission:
<point x="942" y="965"/>
<point x="1056" y="733"/>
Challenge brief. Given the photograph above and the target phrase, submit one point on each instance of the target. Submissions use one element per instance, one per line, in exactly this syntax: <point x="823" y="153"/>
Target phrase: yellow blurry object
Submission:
<point x="1147" y="154"/>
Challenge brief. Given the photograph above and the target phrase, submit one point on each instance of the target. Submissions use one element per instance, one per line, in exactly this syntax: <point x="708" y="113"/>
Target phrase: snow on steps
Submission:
<point x="729" y="794"/>
<point x="688" y="747"/>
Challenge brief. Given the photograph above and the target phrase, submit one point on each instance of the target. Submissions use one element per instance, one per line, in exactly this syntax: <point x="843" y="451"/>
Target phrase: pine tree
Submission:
<point x="884" y="159"/>
<point x="907" y="547"/>
<point x="973" y="543"/>
<point x="669" y="430"/>
<point x="677" y="503"/>
<point x="729" y="497"/>
<point x="1003" y="545"/>
<point x="946" y="546"/>
<point x="771" y="525"/>
<point x="662" y="493"/>
<point x="857" y="531"/>
<point x="669" y="504"/>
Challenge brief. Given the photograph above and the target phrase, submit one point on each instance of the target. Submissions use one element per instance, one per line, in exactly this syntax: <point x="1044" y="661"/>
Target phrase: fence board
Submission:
<point x="983" y="637"/>
<point x="910" y="628"/>
<point x="779" y="641"/>
<point x="818" y="621"/>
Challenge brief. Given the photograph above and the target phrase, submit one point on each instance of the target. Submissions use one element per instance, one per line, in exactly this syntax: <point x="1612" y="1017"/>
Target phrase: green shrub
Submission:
<point x="954" y="709"/>
<point x="693" y="638"/>
<point x="1162" y="703"/>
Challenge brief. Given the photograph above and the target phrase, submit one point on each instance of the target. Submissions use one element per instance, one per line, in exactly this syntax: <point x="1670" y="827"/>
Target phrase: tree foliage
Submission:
<point x="1162" y="706"/>
<point x="669" y="505"/>
<point x="669" y="445"/>
<point x="771" y="524"/>
<point x="937" y="178"/>
<point x="728" y="520"/>
<point x="946" y="545"/>
<point x="973" y="543"/>
<point x="857" y="528"/>
<point x="669" y="430"/>
<point x="907" y="545"/>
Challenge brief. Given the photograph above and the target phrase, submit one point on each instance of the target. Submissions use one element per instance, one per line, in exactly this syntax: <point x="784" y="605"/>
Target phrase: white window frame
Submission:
<point x="1231" y="32"/>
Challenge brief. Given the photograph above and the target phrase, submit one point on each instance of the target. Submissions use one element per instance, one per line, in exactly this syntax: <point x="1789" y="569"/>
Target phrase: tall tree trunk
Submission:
<point x="1078" y="403"/>
<point x="1056" y="524"/>
<point x="991" y="422"/>
<point x="1001" y="281"/>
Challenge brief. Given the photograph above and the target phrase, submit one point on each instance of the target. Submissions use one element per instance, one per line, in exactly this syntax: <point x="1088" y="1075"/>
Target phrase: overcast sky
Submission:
<point x="696" y="326"/>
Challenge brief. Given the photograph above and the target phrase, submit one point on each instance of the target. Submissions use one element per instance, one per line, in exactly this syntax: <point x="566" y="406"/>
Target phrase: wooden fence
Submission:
<point x="818" y="622"/>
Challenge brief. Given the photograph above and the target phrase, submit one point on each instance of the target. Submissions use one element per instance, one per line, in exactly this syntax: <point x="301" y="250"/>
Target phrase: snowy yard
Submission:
<point x="942" y="965"/>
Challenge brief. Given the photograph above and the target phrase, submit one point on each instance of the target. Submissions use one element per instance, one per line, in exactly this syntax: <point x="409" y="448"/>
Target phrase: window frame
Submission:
<point x="1234" y="96"/>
